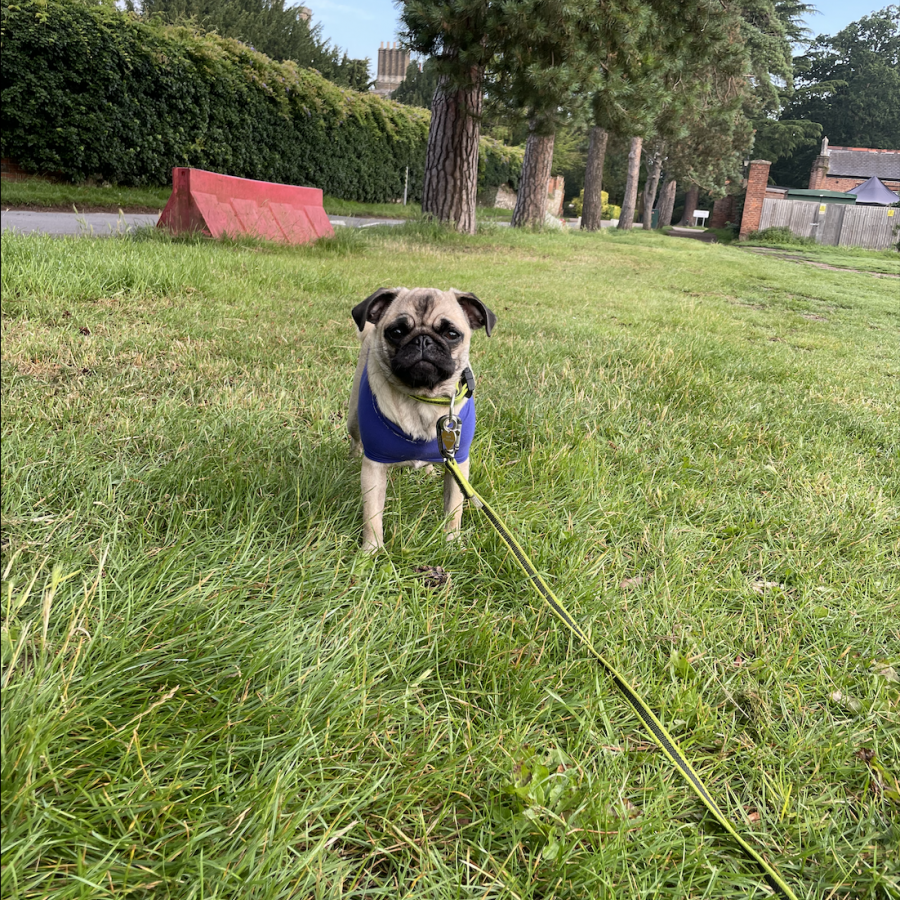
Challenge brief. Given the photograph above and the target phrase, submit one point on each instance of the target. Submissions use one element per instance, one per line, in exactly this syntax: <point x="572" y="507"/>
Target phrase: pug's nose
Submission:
<point x="423" y="342"/>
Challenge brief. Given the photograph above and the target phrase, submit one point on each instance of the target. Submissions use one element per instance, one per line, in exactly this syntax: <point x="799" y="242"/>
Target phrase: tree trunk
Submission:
<point x="690" y="204"/>
<point x="626" y="219"/>
<point x="650" y="186"/>
<point x="531" y="202"/>
<point x="451" y="160"/>
<point x="592" y="211"/>
<point x="667" y="202"/>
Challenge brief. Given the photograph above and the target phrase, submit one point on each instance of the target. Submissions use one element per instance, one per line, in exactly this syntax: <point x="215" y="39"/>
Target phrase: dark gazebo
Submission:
<point x="874" y="192"/>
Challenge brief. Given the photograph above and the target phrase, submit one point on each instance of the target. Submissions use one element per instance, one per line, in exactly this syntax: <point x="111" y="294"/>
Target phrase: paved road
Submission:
<point x="105" y="224"/>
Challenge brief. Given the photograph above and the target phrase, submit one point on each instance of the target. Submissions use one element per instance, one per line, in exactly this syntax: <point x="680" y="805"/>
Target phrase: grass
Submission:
<point x="40" y="194"/>
<point x="208" y="692"/>
<point x="886" y="262"/>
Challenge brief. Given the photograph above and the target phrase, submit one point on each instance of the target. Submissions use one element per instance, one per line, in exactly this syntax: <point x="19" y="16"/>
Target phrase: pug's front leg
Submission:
<point x="373" y="478"/>
<point x="453" y="502"/>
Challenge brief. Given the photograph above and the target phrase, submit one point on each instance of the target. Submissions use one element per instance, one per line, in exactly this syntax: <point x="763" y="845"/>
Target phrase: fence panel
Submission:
<point x="803" y="217"/>
<point x="874" y="227"/>
<point x="775" y="214"/>
<point x="830" y="223"/>
<point x="798" y="215"/>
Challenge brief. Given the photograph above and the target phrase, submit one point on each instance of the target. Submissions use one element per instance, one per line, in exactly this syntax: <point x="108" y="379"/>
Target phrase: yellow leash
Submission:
<point x="448" y="440"/>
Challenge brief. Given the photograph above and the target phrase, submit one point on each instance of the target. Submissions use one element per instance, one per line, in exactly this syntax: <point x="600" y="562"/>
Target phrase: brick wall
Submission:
<point x="10" y="171"/>
<point x="757" y="181"/>
<point x="556" y="190"/>
<point x="846" y="183"/>
<point x="722" y="212"/>
<point x="820" y="180"/>
<point x="818" y="174"/>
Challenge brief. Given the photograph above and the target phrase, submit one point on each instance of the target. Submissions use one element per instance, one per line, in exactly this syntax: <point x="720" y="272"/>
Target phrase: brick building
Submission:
<point x="392" y="64"/>
<point x="844" y="168"/>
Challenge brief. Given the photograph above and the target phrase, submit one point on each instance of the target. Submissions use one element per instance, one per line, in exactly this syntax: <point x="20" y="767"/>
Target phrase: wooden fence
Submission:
<point x="836" y="224"/>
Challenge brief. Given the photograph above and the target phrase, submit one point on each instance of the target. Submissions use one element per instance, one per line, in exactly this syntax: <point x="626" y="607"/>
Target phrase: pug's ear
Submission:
<point x="374" y="306"/>
<point x="477" y="313"/>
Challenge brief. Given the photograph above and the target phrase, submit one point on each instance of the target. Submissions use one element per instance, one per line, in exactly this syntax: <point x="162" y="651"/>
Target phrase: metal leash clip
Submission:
<point x="449" y="432"/>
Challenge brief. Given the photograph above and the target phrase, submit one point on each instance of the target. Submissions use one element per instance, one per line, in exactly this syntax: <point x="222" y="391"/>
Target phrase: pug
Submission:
<point x="415" y="350"/>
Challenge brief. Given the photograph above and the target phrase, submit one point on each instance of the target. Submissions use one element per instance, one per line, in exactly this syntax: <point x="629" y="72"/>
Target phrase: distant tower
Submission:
<point x="392" y="65"/>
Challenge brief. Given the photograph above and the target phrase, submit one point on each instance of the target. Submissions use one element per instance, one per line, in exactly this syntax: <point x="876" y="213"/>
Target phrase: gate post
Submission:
<point x="757" y="181"/>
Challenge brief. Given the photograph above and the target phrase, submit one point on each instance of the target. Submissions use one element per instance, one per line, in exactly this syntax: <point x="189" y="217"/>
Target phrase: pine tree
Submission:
<point x="459" y="37"/>
<point x="417" y="88"/>
<point x="537" y="56"/>
<point x="648" y="74"/>
<point x="546" y="65"/>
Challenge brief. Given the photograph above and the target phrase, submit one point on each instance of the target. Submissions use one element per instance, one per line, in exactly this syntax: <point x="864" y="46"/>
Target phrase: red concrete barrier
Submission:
<point x="217" y="205"/>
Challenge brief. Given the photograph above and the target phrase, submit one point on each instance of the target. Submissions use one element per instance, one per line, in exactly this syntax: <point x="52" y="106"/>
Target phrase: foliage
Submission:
<point x="458" y="36"/>
<point x="610" y="211"/>
<point x="848" y="85"/>
<point x="780" y="235"/>
<point x="167" y="96"/>
<point x="545" y="803"/>
<point x="727" y="234"/>
<point x="499" y="164"/>
<point x="269" y="26"/>
<point x="418" y="88"/>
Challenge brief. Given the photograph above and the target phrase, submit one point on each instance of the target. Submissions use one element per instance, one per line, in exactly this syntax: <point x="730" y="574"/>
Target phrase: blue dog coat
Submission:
<point x="384" y="442"/>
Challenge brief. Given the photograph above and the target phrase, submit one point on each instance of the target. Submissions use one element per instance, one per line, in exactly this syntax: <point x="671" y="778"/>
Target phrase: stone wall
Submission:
<point x="505" y="197"/>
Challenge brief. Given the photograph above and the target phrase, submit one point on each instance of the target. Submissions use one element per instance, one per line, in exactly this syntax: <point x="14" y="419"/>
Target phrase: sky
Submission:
<point x="359" y="26"/>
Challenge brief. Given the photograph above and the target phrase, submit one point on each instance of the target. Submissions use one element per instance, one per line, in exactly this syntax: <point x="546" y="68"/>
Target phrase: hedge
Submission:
<point x="92" y="92"/>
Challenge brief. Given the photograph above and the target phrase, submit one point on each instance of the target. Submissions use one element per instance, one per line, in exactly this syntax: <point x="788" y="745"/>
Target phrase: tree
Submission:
<point x="629" y="203"/>
<point x="848" y="85"/>
<point x="665" y="62"/>
<point x="705" y="127"/>
<point x="281" y="32"/>
<point x="417" y="88"/>
<point x="654" y="160"/>
<point x="592" y="210"/>
<point x="544" y="65"/>
<point x="459" y="37"/>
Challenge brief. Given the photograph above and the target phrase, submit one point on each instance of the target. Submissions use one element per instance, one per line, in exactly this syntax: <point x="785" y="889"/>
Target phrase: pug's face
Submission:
<point x="422" y="334"/>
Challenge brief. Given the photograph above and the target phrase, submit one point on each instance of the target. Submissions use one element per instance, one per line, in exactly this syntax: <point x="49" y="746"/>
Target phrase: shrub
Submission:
<point x="89" y="91"/>
<point x="780" y="235"/>
<point x="608" y="211"/>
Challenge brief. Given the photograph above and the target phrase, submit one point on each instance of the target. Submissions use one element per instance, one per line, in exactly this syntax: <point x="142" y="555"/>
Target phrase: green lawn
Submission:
<point x="37" y="193"/>
<point x="884" y="261"/>
<point x="208" y="692"/>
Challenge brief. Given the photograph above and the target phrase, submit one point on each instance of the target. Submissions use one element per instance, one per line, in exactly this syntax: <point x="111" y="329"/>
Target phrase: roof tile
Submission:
<point x="865" y="163"/>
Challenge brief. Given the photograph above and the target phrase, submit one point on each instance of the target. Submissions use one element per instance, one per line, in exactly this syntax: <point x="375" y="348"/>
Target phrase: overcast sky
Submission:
<point x="359" y="26"/>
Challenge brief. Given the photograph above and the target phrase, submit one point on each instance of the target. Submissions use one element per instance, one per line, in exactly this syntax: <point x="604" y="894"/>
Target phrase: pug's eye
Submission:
<point x="452" y="334"/>
<point x="396" y="332"/>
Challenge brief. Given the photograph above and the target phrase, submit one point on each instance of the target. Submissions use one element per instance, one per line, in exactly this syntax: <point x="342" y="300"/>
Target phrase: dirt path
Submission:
<point x="692" y="233"/>
<point x="796" y="258"/>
